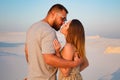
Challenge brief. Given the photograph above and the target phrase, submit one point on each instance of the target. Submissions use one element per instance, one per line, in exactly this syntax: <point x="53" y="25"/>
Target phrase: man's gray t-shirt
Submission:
<point x="39" y="41"/>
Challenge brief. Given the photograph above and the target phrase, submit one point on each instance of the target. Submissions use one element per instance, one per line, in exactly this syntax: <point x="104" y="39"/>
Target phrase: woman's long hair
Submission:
<point x="76" y="36"/>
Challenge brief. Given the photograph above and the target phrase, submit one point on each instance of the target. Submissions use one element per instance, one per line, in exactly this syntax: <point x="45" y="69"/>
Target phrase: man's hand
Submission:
<point x="77" y="60"/>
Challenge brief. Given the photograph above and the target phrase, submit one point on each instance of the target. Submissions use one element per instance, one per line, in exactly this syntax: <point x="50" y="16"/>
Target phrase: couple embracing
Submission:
<point x="43" y="52"/>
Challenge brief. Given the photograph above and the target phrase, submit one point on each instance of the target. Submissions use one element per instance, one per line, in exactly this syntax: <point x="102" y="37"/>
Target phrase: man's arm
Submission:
<point x="52" y="59"/>
<point x="67" y="54"/>
<point x="84" y="64"/>
<point x="56" y="61"/>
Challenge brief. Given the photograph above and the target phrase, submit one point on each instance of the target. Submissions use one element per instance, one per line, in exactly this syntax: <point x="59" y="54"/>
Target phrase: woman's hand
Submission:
<point x="57" y="46"/>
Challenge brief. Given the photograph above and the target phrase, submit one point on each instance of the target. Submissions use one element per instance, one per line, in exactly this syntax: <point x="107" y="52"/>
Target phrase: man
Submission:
<point x="40" y="53"/>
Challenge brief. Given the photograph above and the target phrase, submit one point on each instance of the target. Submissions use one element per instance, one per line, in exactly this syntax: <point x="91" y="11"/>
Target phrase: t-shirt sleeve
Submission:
<point x="47" y="43"/>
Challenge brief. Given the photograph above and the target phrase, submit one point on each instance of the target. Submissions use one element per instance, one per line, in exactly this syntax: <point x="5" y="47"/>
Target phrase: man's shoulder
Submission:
<point x="40" y="24"/>
<point x="42" y="27"/>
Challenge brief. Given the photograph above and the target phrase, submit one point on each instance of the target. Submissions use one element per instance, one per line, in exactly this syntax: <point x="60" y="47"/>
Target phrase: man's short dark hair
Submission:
<point x="58" y="7"/>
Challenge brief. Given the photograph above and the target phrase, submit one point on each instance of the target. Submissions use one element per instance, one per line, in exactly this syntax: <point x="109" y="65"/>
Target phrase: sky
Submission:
<point x="99" y="17"/>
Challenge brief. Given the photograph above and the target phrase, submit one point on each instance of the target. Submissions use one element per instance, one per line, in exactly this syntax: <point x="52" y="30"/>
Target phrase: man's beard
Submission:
<point x="55" y="26"/>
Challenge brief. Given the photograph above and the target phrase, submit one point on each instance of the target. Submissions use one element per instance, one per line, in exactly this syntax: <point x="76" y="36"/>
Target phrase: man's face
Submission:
<point x="59" y="20"/>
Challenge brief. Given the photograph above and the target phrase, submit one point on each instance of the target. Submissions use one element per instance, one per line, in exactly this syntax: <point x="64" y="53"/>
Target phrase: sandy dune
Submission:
<point x="101" y="53"/>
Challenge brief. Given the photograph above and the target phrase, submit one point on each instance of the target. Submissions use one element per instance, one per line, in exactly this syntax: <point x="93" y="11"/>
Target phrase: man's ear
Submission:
<point x="53" y="14"/>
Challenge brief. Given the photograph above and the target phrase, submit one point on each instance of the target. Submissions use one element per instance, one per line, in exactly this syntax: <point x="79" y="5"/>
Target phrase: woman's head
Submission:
<point x="74" y="32"/>
<point x="64" y="28"/>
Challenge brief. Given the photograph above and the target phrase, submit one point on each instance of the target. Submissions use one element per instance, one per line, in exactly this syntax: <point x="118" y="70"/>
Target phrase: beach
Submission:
<point x="103" y="55"/>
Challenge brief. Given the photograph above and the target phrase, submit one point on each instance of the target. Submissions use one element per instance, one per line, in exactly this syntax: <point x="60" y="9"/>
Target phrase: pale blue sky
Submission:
<point x="99" y="17"/>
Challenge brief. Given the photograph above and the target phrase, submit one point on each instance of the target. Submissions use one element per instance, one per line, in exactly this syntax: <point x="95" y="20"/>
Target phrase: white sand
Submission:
<point x="112" y="49"/>
<point x="101" y="64"/>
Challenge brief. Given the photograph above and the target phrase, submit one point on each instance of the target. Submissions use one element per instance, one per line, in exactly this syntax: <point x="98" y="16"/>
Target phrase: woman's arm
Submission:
<point x="84" y="64"/>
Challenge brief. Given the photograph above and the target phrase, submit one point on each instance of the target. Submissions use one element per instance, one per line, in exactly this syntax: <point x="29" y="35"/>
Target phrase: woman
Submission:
<point x="75" y="46"/>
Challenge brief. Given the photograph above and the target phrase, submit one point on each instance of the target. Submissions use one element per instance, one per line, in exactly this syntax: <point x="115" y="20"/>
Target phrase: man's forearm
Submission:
<point x="56" y="61"/>
<point x="84" y="64"/>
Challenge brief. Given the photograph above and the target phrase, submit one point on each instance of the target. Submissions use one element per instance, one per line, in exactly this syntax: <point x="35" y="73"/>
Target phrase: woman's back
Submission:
<point x="74" y="73"/>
